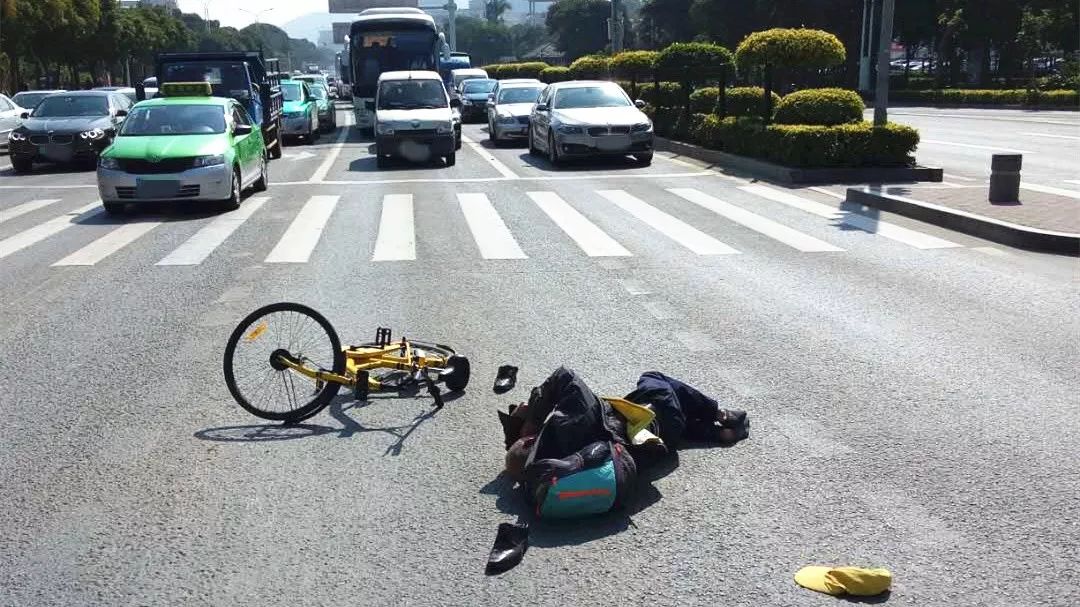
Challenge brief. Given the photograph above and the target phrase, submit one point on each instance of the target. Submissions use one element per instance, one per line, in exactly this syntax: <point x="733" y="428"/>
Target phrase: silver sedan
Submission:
<point x="589" y="118"/>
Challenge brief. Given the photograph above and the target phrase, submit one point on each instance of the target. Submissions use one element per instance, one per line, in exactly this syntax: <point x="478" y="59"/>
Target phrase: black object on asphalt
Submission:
<point x="511" y="542"/>
<point x="505" y="379"/>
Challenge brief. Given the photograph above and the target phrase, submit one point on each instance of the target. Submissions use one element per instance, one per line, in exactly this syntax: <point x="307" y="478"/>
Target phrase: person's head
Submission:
<point x="517" y="455"/>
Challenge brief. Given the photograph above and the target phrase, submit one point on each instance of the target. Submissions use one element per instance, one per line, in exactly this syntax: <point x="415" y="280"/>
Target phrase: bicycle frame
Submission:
<point x="396" y="356"/>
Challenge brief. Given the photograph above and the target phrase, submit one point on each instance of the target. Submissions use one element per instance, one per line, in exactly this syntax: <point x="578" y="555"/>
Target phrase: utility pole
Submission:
<point x="616" y="27"/>
<point x="865" y="42"/>
<point x="881" y="95"/>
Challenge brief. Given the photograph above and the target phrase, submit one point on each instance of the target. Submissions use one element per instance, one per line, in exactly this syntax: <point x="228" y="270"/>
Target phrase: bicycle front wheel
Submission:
<point x="253" y="371"/>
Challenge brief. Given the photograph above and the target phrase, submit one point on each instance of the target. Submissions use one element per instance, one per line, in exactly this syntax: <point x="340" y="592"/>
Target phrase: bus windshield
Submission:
<point x="378" y="51"/>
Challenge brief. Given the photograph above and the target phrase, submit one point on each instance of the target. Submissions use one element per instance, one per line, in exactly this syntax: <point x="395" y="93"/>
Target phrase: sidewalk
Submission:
<point x="1044" y="221"/>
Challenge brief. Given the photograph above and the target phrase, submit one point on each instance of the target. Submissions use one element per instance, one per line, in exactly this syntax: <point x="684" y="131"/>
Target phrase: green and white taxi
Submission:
<point x="183" y="145"/>
<point x="301" y="111"/>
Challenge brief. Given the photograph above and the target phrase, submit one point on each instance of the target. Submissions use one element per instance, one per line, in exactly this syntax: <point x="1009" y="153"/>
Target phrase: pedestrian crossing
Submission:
<point x="600" y="223"/>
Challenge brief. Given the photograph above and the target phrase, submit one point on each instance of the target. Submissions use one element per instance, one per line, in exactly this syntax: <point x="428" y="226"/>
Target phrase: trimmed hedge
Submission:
<point x="784" y="47"/>
<point x="634" y="65"/>
<point x="670" y="94"/>
<point x="820" y="106"/>
<point x="591" y="67"/>
<point x="692" y="61"/>
<point x="555" y="74"/>
<point x="741" y="100"/>
<point x="529" y="69"/>
<point x="845" y="145"/>
<point x="1058" y="98"/>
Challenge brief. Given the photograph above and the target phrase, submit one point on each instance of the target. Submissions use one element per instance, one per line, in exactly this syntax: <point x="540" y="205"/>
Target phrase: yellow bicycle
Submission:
<point x="284" y="362"/>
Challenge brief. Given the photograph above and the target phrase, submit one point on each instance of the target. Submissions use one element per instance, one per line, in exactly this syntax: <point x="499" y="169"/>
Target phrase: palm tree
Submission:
<point x="494" y="9"/>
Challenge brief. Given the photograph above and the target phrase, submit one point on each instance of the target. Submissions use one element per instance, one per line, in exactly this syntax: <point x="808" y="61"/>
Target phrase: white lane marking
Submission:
<point x="594" y="241"/>
<point x="1076" y="181"/>
<point x="826" y="192"/>
<point x="697" y="341"/>
<point x="490" y="233"/>
<point x="493" y="161"/>
<point x="397" y="232"/>
<point x="44" y="230"/>
<point x="1045" y="189"/>
<point x="675" y="229"/>
<point x="635" y="287"/>
<point x="204" y="242"/>
<point x="303" y="233"/>
<point x="108" y="244"/>
<point x="324" y="168"/>
<point x="855" y="220"/>
<point x="958" y="177"/>
<point x="755" y="222"/>
<point x="1053" y="136"/>
<point x="992" y="251"/>
<point x="974" y="147"/>
<point x="24" y="208"/>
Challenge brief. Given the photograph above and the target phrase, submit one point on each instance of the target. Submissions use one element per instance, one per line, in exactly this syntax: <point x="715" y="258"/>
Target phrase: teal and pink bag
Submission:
<point x="598" y="478"/>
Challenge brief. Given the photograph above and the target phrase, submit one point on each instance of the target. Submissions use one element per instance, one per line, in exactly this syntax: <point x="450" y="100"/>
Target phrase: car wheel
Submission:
<point x="451" y="159"/>
<point x="275" y="150"/>
<point x="644" y="159"/>
<point x="491" y="131"/>
<point x="261" y="183"/>
<point x="382" y="161"/>
<point x="532" y="146"/>
<point x="553" y="150"/>
<point x="233" y="201"/>
<point x="114" y="208"/>
<point x="22" y="165"/>
<point x="457" y="141"/>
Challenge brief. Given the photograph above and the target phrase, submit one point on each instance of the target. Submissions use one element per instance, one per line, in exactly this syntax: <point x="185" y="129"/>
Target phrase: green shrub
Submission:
<point x="529" y="69"/>
<point x="555" y="74"/>
<point x="591" y="67"/>
<point x="663" y="119"/>
<point x="634" y="65"/>
<point x="492" y="70"/>
<point x="1057" y="98"/>
<point x="670" y="94"/>
<point x="820" y="106"/>
<point x="844" y="145"/>
<point x="791" y="48"/>
<point x="741" y="100"/>
<point x="692" y="62"/>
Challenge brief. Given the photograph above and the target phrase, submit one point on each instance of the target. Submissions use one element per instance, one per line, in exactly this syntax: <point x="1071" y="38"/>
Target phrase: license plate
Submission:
<point x="56" y="152"/>
<point x="613" y="142"/>
<point x="156" y="188"/>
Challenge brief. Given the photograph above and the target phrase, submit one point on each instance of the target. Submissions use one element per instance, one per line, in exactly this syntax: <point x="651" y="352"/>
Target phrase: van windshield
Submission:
<point x="411" y="95"/>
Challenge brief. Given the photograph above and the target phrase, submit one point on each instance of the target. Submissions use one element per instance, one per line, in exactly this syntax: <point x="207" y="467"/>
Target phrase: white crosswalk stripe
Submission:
<point x="590" y="238"/>
<point x="24" y="208"/>
<point x="209" y="237"/>
<point x="488" y="229"/>
<point x="108" y="244"/>
<point x="49" y="228"/>
<point x="757" y="223"/>
<point x="304" y="232"/>
<point x="397" y="233"/>
<point x="675" y="229"/>
<point x="891" y="231"/>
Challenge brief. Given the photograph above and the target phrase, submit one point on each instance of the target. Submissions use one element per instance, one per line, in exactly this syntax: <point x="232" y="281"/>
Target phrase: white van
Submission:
<point x="466" y="73"/>
<point x="414" y="118"/>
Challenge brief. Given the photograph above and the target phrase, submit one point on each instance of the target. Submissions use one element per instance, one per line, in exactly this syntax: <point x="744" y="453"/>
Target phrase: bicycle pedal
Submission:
<point x="360" y="389"/>
<point x="382" y="337"/>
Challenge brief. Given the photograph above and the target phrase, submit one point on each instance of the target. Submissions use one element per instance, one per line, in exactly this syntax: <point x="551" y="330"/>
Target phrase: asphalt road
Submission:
<point x="962" y="141"/>
<point x="913" y="391"/>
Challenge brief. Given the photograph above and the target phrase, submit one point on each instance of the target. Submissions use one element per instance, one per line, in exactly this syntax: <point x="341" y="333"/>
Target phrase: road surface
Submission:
<point x="913" y="391"/>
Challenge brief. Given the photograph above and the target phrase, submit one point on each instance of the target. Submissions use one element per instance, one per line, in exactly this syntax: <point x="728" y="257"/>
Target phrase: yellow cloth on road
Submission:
<point x="638" y="418"/>
<point x="855" y="581"/>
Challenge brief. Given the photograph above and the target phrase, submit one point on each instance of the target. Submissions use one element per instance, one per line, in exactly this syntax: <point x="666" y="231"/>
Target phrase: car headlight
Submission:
<point x="384" y="128"/>
<point x="445" y="128"/>
<point x="92" y="134"/>
<point x="107" y="162"/>
<point x="15" y="136"/>
<point x="571" y="129"/>
<point x="507" y="120"/>
<point x="641" y="127"/>
<point x="208" y="161"/>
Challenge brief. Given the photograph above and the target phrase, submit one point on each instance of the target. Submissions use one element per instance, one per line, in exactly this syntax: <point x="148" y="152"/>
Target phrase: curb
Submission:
<point x="1002" y="232"/>
<point x="797" y="176"/>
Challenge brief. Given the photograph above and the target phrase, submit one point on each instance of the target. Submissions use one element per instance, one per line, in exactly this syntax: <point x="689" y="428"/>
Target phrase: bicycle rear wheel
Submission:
<point x="268" y="389"/>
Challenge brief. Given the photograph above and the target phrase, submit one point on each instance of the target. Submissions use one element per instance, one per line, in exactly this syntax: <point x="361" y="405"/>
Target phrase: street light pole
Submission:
<point x="866" y="39"/>
<point x="881" y="95"/>
<point x="616" y="27"/>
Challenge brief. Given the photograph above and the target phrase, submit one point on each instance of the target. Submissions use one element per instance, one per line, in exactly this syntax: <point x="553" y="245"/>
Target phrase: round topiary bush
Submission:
<point x="634" y="66"/>
<point x="741" y="100"/>
<point x="692" y="61"/>
<point x="820" y="106"/>
<point x="555" y="74"/>
<point x="790" y="48"/>
<point x="492" y="70"/>
<point x="591" y="67"/>
<point x="669" y="94"/>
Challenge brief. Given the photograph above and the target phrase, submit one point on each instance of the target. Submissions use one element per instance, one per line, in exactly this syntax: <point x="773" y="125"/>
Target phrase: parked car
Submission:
<point x="67" y="128"/>
<point x="183" y="145"/>
<point x="474" y="97"/>
<point x="28" y="100"/>
<point x="327" y="111"/>
<point x="10" y="117"/>
<point x="414" y="118"/>
<point x="300" y="111"/>
<point x="589" y="118"/>
<point x="508" y="112"/>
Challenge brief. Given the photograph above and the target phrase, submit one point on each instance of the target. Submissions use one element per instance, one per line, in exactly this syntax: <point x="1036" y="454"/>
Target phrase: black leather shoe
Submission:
<point x="505" y="379"/>
<point x="511" y="542"/>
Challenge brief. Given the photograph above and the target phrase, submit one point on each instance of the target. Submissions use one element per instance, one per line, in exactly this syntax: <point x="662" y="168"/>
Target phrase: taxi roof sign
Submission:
<point x="186" y="89"/>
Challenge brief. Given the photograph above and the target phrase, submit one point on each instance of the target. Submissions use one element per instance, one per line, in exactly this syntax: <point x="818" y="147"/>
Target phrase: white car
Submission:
<point x="508" y="112"/>
<point x="10" y="117"/>
<point x="414" y="118"/>
<point x="589" y="118"/>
